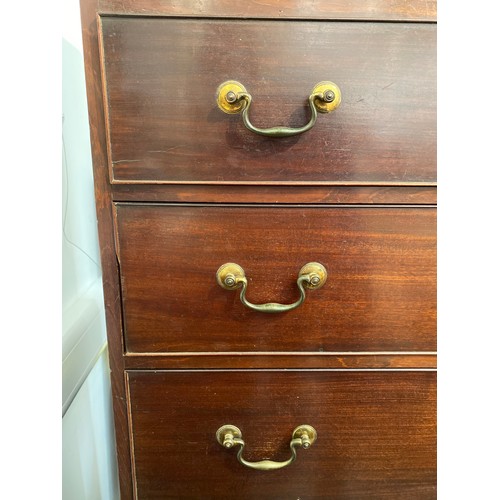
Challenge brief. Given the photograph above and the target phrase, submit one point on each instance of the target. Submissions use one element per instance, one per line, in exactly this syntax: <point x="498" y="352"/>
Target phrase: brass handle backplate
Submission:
<point x="232" y="97"/>
<point x="229" y="436"/>
<point x="231" y="276"/>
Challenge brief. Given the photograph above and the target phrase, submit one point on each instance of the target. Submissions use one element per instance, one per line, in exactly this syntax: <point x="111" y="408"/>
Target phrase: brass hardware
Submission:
<point x="225" y="99"/>
<point x="229" y="436"/>
<point x="232" y="98"/>
<point x="231" y="276"/>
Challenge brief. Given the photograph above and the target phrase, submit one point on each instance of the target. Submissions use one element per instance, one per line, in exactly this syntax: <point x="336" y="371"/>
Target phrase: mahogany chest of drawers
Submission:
<point x="265" y="179"/>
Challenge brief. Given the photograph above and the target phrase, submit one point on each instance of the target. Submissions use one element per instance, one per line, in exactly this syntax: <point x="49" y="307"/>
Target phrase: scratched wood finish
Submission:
<point x="161" y="77"/>
<point x="376" y="434"/>
<point x="402" y="10"/>
<point x="380" y="292"/>
<point x="422" y="195"/>
<point x="316" y="360"/>
<point x="109" y="267"/>
<point x="376" y="428"/>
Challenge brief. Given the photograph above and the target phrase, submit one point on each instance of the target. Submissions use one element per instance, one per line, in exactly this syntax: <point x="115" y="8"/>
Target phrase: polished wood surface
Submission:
<point x="401" y="10"/>
<point x="311" y="360"/>
<point x="332" y="194"/>
<point x="109" y="267"/>
<point x="376" y="434"/>
<point x="357" y="193"/>
<point x="161" y="78"/>
<point x="380" y="292"/>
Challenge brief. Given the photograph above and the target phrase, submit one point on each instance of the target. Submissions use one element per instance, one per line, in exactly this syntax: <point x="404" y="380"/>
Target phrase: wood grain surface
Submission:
<point x="402" y="10"/>
<point x="331" y="194"/>
<point x="161" y="78"/>
<point x="109" y="267"/>
<point x="312" y="360"/>
<point x="376" y="434"/>
<point x="380" y="292"/>
<point x="356" y="193"/>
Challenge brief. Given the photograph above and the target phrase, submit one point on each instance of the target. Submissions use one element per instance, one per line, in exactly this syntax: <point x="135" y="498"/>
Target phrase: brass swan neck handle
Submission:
<point x="229" y="435"/>
<point x="231" y="276"/>
<point x="232" y="97"/>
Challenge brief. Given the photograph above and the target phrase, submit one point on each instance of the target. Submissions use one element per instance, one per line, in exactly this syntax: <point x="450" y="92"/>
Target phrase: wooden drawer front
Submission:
<point x="161" y="77"/>
<point x="379" y="295"/>
<point x="400" y="10"/>
<point x="376" y="434"/>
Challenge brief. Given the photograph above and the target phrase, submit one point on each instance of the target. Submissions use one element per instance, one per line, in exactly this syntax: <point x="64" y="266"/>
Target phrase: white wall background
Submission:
<point x="89" y="469"/>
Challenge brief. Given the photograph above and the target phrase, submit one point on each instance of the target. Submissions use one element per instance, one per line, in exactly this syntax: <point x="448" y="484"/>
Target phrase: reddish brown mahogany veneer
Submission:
<point x="164" y="128"/>
<point x="379" y="294"/>
<point x="182" y="188"/>
<point x="376" y="434"/>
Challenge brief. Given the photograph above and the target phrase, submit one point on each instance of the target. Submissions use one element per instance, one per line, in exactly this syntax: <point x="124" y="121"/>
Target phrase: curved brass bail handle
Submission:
<point x="231" y="276"/>
<point x="232" y="98"/>
<point x="303" y="436"/>
<point x="279" y="131"/>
